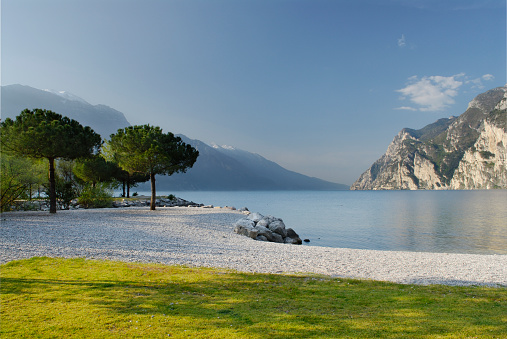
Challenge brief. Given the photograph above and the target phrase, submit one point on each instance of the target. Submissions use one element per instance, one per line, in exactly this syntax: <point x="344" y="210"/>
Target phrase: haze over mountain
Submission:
<point x="465" y="152"/>
<point x="103" y="119"/>
<point x="227" y="168"/>
<point x="217" y="168"/>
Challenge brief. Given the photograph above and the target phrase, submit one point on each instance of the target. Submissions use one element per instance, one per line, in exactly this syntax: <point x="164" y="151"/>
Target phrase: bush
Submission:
<point x="96" y="197"/>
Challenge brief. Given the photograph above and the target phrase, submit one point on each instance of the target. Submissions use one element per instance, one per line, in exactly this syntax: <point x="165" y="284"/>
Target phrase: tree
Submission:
<point x="45" y="134"/>
<point x="146" y="149"/>
<point x="18" y="176"/>
<point x="95" y="169"/>
<point x="126" y="179"/>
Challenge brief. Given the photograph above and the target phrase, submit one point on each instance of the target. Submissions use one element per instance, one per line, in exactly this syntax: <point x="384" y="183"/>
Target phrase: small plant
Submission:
<point x="487" y="154"/>
<point x="135" y="194"/>
<point x="96" y="197"/>
<point x="171" y="197"/>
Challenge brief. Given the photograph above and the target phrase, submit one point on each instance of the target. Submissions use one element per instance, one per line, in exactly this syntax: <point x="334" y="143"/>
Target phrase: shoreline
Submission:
<point x="195" y="236"/>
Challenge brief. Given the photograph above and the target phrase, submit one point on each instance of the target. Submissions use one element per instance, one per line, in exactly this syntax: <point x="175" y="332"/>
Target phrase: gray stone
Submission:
<point x="261" y="238"/>
<point x="245" y="223"/>
<point x="291" y="233"/>
<point x="255" y="217"/>
<point x="246" y="231"/>
<point x="277" y="238"/>
<point x="278" y="226"/>
<point x="265" y="232"/>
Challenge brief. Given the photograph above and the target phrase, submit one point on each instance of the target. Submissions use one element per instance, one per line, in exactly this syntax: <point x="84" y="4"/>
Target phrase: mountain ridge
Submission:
<point x="465" y="152"/>
<point x="217" y="168"/>
<point x="16" y="98"/>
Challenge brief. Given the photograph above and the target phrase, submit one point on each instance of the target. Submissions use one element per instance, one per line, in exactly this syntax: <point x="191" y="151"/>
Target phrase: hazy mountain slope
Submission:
<point x="219" y="168"/>
<point x="465" y="152"/>
<point x="102" y="119"/>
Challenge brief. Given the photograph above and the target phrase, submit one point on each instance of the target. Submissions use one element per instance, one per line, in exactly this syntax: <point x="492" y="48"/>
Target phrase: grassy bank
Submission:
<point x="43" y="297"/>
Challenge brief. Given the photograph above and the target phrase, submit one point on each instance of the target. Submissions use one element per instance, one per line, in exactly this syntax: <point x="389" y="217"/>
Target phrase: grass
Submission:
<point x="55" y="298"/>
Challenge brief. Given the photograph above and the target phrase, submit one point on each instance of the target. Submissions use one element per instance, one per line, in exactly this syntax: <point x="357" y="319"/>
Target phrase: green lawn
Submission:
<point x="45" y="297"/>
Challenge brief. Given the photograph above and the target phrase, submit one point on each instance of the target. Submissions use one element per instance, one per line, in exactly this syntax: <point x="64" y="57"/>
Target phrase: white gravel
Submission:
<point x="204" y="237"/>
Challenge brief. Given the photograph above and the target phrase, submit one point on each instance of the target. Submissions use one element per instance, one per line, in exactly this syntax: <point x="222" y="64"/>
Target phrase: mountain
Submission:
<point x="226" y="168"/>
<point x="217" y="168"/>
<point x="102" y="119"/>
<point x="465" y="152"/>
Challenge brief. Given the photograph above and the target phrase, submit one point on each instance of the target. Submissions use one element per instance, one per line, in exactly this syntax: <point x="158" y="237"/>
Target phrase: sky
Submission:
<point x="319" y="86"/>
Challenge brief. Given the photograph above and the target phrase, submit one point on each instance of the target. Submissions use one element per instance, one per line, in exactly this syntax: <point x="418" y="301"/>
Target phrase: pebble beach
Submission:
<point x="196" y="236"/>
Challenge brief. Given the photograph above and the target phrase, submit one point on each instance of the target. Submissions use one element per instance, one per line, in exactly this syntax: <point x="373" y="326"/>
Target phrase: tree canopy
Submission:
<point x="146" y="149"/>
<point x="45" y="134"/>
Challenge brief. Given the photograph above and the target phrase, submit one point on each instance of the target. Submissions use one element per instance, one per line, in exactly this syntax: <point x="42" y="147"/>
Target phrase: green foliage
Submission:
<point x="95" y="169"/>
<point x="147" y="150"/>
<point x="99" y="196"/>
<point x="486" y="154"/>
<point x="498" y="118"/>
<point x="49" y="297"/>
<point x="66" y="187"/>
<point x="19" y="179"/>
<point x="44" y="134"/>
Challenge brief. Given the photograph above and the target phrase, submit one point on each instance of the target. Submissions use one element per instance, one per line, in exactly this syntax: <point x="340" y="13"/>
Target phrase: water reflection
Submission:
<point x="432" y="221"/>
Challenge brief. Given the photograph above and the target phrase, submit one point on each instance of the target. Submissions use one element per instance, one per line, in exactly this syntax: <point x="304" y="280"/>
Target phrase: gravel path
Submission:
<point x="204" y="237"/>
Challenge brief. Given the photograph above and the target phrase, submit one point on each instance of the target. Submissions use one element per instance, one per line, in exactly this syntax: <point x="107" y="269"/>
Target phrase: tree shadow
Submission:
<point x="276" y="306"/>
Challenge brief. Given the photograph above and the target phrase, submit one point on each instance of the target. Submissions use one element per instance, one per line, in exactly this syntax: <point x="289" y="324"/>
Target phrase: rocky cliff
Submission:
<point x="465" y="152"/>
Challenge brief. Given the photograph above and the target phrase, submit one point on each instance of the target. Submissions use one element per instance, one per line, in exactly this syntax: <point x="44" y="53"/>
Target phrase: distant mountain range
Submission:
<point x="217" y="168"/>
<point x="465" y="152"/>
<point x="103" y="119"/>
<point x="226" y="168"/>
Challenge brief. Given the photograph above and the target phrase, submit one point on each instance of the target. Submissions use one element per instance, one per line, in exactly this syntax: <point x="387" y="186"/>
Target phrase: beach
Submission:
<point x="204" y="237"/>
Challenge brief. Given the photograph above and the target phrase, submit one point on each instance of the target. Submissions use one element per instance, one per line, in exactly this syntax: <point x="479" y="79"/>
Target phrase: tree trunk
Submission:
<point x="153" y="192"/>
<point x="128" y="185"/>
<point x="123" y="194"/>
<point x="52" y="186"/>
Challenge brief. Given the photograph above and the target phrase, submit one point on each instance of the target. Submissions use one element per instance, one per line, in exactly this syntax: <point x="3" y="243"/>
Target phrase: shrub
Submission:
<point x="96" y="197"/>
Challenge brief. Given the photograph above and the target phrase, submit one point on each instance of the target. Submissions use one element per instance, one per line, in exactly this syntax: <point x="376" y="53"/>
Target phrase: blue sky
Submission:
<point x="318" y="86"/>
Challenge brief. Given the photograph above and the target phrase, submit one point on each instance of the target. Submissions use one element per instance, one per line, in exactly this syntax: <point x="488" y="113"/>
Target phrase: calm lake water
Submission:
<point x="428" y="221"/>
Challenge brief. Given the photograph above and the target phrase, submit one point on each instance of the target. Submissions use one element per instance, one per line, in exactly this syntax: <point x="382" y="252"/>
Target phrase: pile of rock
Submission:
<point x="163" y="202"/>
<point x="266" y="228"/>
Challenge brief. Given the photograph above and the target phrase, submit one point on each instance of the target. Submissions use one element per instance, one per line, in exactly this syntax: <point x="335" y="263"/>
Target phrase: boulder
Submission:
<point x="246" y="231"/>
<point x="245" y="223"/>
<point x="278" y="238"/>
<point x="277" y="226"/>
<point x="266" y="228"/>
<point x="265" y="232"/>
<point x="255" y="217"/>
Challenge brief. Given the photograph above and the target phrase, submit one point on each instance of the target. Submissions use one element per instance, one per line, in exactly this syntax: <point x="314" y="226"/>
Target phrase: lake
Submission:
<point x="424" y="221"/>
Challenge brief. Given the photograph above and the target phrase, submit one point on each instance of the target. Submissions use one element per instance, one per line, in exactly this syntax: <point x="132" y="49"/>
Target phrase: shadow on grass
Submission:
<point x="260" y="305"/>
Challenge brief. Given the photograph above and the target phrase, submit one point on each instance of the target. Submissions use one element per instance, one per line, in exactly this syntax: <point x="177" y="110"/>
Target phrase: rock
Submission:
<point x="265" y="232"/>
<point x="278" y="226"/>
<point x="255" y="217"/>
<point x="245" y="223"/>
<point x="246" y="231"/>
<point x="277" y="238"/>
<point x="261" y="238"/>
<point x="291" y="233"/>
<point x="246" y="227"/>
<point x="306" y="240"/>
<point x="266" y="228"/>
<point x="465" y="152"/>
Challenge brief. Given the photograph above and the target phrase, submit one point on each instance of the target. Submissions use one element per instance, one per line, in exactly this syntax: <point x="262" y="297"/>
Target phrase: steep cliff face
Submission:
<point x="467" y="152"/>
